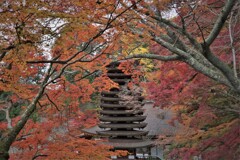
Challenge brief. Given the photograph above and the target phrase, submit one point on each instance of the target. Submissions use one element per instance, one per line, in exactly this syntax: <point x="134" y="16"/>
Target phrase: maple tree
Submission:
<point x="188" y="35"/>
<point x="45" y="46"/>
<point x="199" y="35"/>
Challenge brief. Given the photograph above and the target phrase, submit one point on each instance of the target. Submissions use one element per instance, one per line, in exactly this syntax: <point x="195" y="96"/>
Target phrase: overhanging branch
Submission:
<point x="220" y="22"/>
<point x="154" y="56"/>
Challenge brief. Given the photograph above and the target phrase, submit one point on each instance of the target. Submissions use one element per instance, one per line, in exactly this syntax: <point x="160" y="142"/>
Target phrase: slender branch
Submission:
<point x="92" y="50"/>
<point x="39" y="155"/>
<point x="198" y="25"/>
<point x="86" y="45"/>
<point x="169" y="46"/>
<point x="40" y="104"/>
<point x="48" y="61"/>
<point x="220" y="21"/>
<point x="5" y="50"/>
<point x="7" y="109"/>
<point x="23" y="137"/>
<point x="90" y="60"/>
<point x="52" y="102"/>
<point x="180" y="30"/>
<point x="232" y="46"/>
<point x="86" y="75"/>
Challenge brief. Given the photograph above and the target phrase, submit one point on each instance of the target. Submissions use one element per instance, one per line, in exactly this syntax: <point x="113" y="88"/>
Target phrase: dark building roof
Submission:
<point x="129" y="143"/>
<point x="121" y="112"/>
<point x="118" y="75"/>
<point x="123" y="125"/>
<point x="110" y="99"/>
<point x="122" y="133"/>
<point x="106" y="105"/>
<point x="122" y="119"/>
<point x="109" y="93"/>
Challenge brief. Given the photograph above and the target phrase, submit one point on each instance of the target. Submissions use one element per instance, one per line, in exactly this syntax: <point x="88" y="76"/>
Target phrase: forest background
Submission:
<point x="53" y="55"/>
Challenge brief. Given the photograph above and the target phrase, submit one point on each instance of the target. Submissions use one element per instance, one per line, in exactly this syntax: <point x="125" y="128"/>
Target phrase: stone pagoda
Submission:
<point x="121" y="123"/>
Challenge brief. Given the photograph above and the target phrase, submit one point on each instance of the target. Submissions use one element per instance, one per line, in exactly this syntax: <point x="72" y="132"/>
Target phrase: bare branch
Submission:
<point x="232" y="46"/>
<point x="7" y="107"/>
<point x="39" y="155"/>
<point x="52" y="102"/>
<point x="154" y="56"/>
<point x="86" y="75"/>
<point x="180" y="30"/>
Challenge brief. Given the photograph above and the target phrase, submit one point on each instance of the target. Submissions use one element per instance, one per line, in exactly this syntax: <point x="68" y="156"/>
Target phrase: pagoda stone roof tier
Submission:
<point x="109" y="93"/>
<point x="122" y="133"/>
<point x="107" y="105"/>
<point x="118" y="75"/>
<point x="110" y="99"/>
<point x="120" y="80"/>
<point x="155" y="125"/>
<point x="123" y="125"/>
<point x="122" y="119"/>
<point x="129" y="143"/>
<point x="121" y="112"/>
<point x="114" y="70"/>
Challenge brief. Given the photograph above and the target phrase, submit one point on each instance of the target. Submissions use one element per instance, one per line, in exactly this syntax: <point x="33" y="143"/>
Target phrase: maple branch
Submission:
<point x="211" y="61"/>
<point x="232" y="46"/>
<point x="39" y="155"/>
<point x="52" y="102"/>
<point x="92" y="50"/>
<point x="101" y="31"/>
<point x="224" y="68"/>
<point x="198" y="25"/>
<point x="23" y="137"/>
<point x="154" y="56"/>
<point x="220" y="21"/>
<point x="86" y="45"/>
<point x="54" y="60"/>
<point x="90" y="60"/>
<point x="209" y="65"/>
<point x="7" y="109"/>
<point x="86" y="75"/>
<point x="41" y="106"/>
<point x="5" y="50"/>
<point x="215" y="64"/>
<point x="65" y="66"/>
<point x="169" y="45"/>
<point x="181" y="30"/>
<point x="12" y="134"/>
<point x="185" y="57"/>
<point x="47" y="61"/>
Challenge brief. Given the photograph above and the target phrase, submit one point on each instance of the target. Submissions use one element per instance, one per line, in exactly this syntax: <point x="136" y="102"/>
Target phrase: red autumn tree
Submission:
<point x="202" y="35"/>
<point x="50" y="53"/>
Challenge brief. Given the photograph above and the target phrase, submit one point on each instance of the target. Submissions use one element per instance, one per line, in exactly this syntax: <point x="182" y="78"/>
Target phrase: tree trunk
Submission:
<point x="4" y="155"/>
<point x="7" y="140"/>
